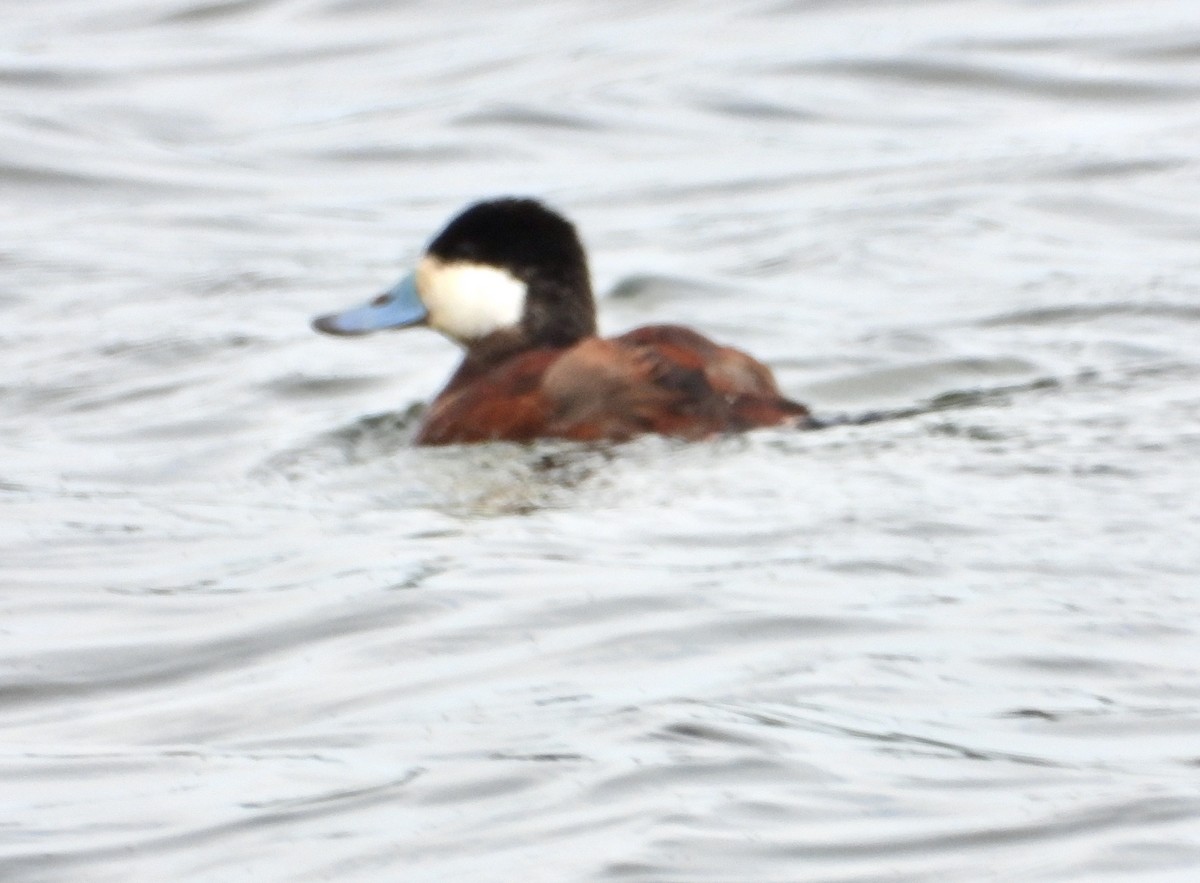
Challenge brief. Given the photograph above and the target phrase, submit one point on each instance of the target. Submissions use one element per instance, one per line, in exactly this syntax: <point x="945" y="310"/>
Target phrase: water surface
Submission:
<point x="250" y="632"/>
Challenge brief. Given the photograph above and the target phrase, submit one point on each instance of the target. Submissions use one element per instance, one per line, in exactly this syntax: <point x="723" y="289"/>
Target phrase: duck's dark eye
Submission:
<point x="381" y="300"/>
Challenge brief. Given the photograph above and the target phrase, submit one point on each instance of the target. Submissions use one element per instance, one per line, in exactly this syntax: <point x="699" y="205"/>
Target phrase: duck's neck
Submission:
<point x="485" y="354"/>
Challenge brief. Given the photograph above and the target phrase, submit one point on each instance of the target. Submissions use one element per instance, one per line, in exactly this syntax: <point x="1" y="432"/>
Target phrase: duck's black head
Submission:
<point x="510" y="268"/>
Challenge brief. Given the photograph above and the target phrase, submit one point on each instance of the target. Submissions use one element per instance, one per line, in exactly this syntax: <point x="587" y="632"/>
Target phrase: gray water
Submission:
<point x="249" y="633"/>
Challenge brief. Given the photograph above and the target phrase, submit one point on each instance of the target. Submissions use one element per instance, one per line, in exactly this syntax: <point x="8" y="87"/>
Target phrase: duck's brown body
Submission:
<point x="662" y="379"/>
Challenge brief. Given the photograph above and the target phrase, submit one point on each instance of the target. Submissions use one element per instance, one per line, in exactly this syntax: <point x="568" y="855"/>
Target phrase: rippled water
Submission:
<point x="249" y="633"/>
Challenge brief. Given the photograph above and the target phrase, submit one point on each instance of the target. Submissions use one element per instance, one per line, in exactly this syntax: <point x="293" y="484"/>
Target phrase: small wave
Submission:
<point x="1077" y="313"/>
<point x="974" y="76"/>
<point x="527" y="118"/>
<point x="658" y="288"/>
<point x="899" y="380"/>
<point x="399" y="154"/>
<point x="366" y="439"/>
<point x="214" y="9"/>
<point x="742" y="108"/>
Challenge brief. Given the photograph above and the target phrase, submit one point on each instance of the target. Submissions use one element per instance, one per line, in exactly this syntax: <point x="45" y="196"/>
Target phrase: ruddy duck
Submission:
<point x="508" y="279"/>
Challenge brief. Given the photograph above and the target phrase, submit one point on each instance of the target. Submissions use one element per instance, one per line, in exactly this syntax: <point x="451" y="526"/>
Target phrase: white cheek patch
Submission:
<point x="469" y="301"/>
